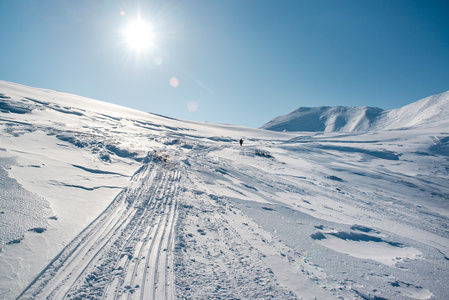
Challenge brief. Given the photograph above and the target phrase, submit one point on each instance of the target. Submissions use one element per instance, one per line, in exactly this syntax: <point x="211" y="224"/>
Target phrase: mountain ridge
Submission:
<point x="428" y="110"/>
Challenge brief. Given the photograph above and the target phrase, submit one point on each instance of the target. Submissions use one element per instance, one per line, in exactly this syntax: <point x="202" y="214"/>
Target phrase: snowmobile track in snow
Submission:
<point x="126" y="252"/>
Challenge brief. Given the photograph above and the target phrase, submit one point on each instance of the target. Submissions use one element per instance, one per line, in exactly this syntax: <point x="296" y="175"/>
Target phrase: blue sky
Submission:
<point x="239" y="62"/>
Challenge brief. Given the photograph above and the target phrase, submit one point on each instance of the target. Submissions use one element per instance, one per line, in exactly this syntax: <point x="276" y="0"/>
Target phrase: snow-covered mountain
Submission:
<point x="99" y="201"/>
<point x="433" y="109"/>
<point x="327" y="119"/>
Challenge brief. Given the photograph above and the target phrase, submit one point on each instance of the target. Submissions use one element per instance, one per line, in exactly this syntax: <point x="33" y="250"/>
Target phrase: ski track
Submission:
<point x="123" y="254"/>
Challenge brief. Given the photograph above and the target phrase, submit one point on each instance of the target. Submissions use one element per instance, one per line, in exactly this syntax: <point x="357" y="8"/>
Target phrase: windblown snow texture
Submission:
<point x="103" y="202"/>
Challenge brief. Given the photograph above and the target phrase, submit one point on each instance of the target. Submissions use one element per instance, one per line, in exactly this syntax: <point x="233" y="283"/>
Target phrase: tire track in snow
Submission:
<point x="125" y="286"/>
<point x="124" y="259"/>
<point x="154" y="282"/>
<point x="113" y="231"/>
<point x="123" y="253"/>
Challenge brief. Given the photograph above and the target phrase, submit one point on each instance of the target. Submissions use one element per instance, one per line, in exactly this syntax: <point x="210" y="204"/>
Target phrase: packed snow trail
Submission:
<point x="123" y="254"/>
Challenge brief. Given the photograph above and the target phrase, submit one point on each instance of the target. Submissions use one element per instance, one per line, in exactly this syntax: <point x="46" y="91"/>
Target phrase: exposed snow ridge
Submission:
<point x="433" y="109"/>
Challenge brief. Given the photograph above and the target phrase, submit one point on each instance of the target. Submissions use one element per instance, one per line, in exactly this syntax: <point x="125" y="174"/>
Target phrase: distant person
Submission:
<point x="241" y="142"/>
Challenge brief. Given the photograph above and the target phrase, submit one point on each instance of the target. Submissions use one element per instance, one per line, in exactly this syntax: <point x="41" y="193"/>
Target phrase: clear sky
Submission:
<point x="240" y="62"/>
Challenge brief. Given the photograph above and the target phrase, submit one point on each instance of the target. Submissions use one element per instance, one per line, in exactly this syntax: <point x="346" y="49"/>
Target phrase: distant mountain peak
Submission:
<point x="327" y="119"/>
<point x="358" y="119"/>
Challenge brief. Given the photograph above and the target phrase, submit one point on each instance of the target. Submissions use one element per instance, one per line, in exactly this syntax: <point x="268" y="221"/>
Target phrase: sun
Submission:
<point x="139" y="35"/>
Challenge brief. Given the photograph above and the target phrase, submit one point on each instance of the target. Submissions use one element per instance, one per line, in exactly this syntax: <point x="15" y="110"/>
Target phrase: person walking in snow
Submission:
<point x="241" y="142"/>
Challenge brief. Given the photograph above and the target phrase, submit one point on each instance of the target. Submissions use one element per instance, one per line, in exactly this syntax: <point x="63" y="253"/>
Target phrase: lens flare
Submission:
<point x="192" y="106"/>
<point x="122" y="13"/>
<point x="174" y="82"/>
<point x="158" y="60"/>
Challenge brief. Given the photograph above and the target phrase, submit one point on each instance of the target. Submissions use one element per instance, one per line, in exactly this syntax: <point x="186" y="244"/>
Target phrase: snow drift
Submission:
<point x="433" y="109"/>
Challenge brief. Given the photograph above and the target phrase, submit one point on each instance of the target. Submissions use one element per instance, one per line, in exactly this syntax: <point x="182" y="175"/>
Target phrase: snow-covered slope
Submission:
<point x="433" y="109"/>
<point x="430" y="110"/>
<point x="98" y="201"/>
<point x="327" y="119"/>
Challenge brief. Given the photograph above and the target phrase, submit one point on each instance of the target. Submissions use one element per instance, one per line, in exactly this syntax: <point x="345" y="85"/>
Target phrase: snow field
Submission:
<point x="139" y="206"/>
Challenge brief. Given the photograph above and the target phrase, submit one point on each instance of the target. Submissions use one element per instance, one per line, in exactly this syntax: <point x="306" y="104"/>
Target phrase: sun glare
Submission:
<point x="139" y="35"/>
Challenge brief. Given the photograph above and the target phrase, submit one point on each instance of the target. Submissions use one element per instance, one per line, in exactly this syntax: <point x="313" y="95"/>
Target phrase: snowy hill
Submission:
<point x="99" y="201"/>
<point x="432" y="109"/>
<point x="327" y="119"/>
